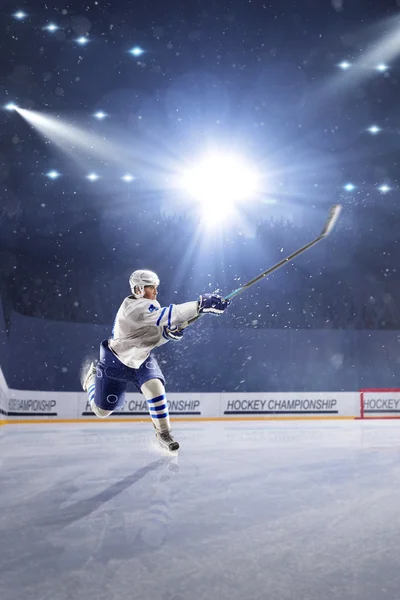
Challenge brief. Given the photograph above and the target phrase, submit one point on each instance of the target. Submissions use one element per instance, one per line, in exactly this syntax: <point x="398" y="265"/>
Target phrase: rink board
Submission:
<point x="3" y="399"/>
<point x="380" y="403"/>
<point x="24" y="406"/>
<point x="34" y="406"/>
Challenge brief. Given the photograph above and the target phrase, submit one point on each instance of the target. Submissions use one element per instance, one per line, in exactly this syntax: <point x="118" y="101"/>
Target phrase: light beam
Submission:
<point x="219" y="182"/>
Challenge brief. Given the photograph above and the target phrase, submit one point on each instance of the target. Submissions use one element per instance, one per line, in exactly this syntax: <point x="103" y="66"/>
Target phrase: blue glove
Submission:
<point x="172" y="333"/>
<point x="212" y="303"/>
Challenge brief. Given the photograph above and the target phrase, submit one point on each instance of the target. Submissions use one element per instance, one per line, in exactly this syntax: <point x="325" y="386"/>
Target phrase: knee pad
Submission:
<point x="152" y="388"/>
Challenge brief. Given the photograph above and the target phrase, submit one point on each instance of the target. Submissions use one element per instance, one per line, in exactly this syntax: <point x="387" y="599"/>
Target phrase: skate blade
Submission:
<point x="174" y="447"/>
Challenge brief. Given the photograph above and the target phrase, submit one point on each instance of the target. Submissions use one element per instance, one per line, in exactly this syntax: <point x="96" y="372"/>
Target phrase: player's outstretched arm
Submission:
<point x="170" y="316"/>
<point x="176" y="315"/>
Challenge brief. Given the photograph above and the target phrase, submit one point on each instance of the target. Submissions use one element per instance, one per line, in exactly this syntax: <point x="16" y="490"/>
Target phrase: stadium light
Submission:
<point x="382" y="68"/>
<point x="218" y="182"/>
<point x="136" y="51"/>
<point x="53" y="174"/>
<point x="128" y="178"/>
<point x="51" y="27"/>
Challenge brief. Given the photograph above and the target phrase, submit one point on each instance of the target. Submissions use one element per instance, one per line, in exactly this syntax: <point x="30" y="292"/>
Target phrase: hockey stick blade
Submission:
<point x="331" y="220"/>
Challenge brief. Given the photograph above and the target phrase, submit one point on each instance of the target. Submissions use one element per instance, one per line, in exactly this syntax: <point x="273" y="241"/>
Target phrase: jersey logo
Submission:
<point x="152" y="308"/>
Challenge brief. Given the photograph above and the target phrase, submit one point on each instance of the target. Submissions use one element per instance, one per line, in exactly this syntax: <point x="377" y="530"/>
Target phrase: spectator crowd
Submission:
<point x="327" y="288"/>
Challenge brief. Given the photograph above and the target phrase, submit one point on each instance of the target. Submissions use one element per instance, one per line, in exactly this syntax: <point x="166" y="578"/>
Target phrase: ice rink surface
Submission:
<point x="246" y="511"/>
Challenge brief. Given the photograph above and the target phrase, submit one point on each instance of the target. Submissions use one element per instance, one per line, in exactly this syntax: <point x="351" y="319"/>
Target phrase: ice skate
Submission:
<point x="166" y="441"/>
<point x="90" y="376"/>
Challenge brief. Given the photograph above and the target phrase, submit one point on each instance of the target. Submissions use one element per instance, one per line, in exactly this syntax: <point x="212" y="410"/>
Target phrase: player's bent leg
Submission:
<point x="106" y="384"/>
<point x="89" y="386"/>
<point x="154" y="392"/>
<point x="109" y="393"/>
<point x="91" y="392"/>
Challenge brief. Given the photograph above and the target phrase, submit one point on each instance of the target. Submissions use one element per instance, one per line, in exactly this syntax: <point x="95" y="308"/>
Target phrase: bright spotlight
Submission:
<point x="53" y="174"/>
<point x="11" y="106"/>
<point x="382" y="68"/>
<point x="345" y="65"/>
<point x="92" y="177"/>
<point x="374" y="129"/>
<point x="384" y="189"/>
<point x="218" y="182"/>
<point x="51" y="27"/>
<point x="100" y="115"/>
<point x="136" y="51"/>
<point x="20" y="15"/>
<point x="82" y="41"/>
<point x="349" y="187"/>
<point x="128" y="178"/>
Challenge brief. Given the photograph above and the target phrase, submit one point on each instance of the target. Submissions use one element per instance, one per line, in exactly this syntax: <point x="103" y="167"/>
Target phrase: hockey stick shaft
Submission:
<point x="329" y="225"/>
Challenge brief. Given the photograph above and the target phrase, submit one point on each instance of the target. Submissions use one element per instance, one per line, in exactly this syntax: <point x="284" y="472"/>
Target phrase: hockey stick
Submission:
<point x="329" y="225"/>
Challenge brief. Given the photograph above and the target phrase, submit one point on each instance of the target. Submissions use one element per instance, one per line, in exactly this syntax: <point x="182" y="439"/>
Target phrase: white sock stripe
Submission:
<point x="157" y="415"/>
<point x="157" y="408"/>
<point x="157" y="405"/>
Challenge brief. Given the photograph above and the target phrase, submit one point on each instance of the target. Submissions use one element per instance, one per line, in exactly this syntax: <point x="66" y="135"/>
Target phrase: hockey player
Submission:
<point x="141" y="325"/>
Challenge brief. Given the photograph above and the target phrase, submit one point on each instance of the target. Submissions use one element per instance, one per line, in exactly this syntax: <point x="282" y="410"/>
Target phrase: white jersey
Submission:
<point x="138" y="327"/>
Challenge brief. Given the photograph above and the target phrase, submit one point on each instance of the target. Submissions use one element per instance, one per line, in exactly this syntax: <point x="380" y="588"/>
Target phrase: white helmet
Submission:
<point x="139" y="279"/>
